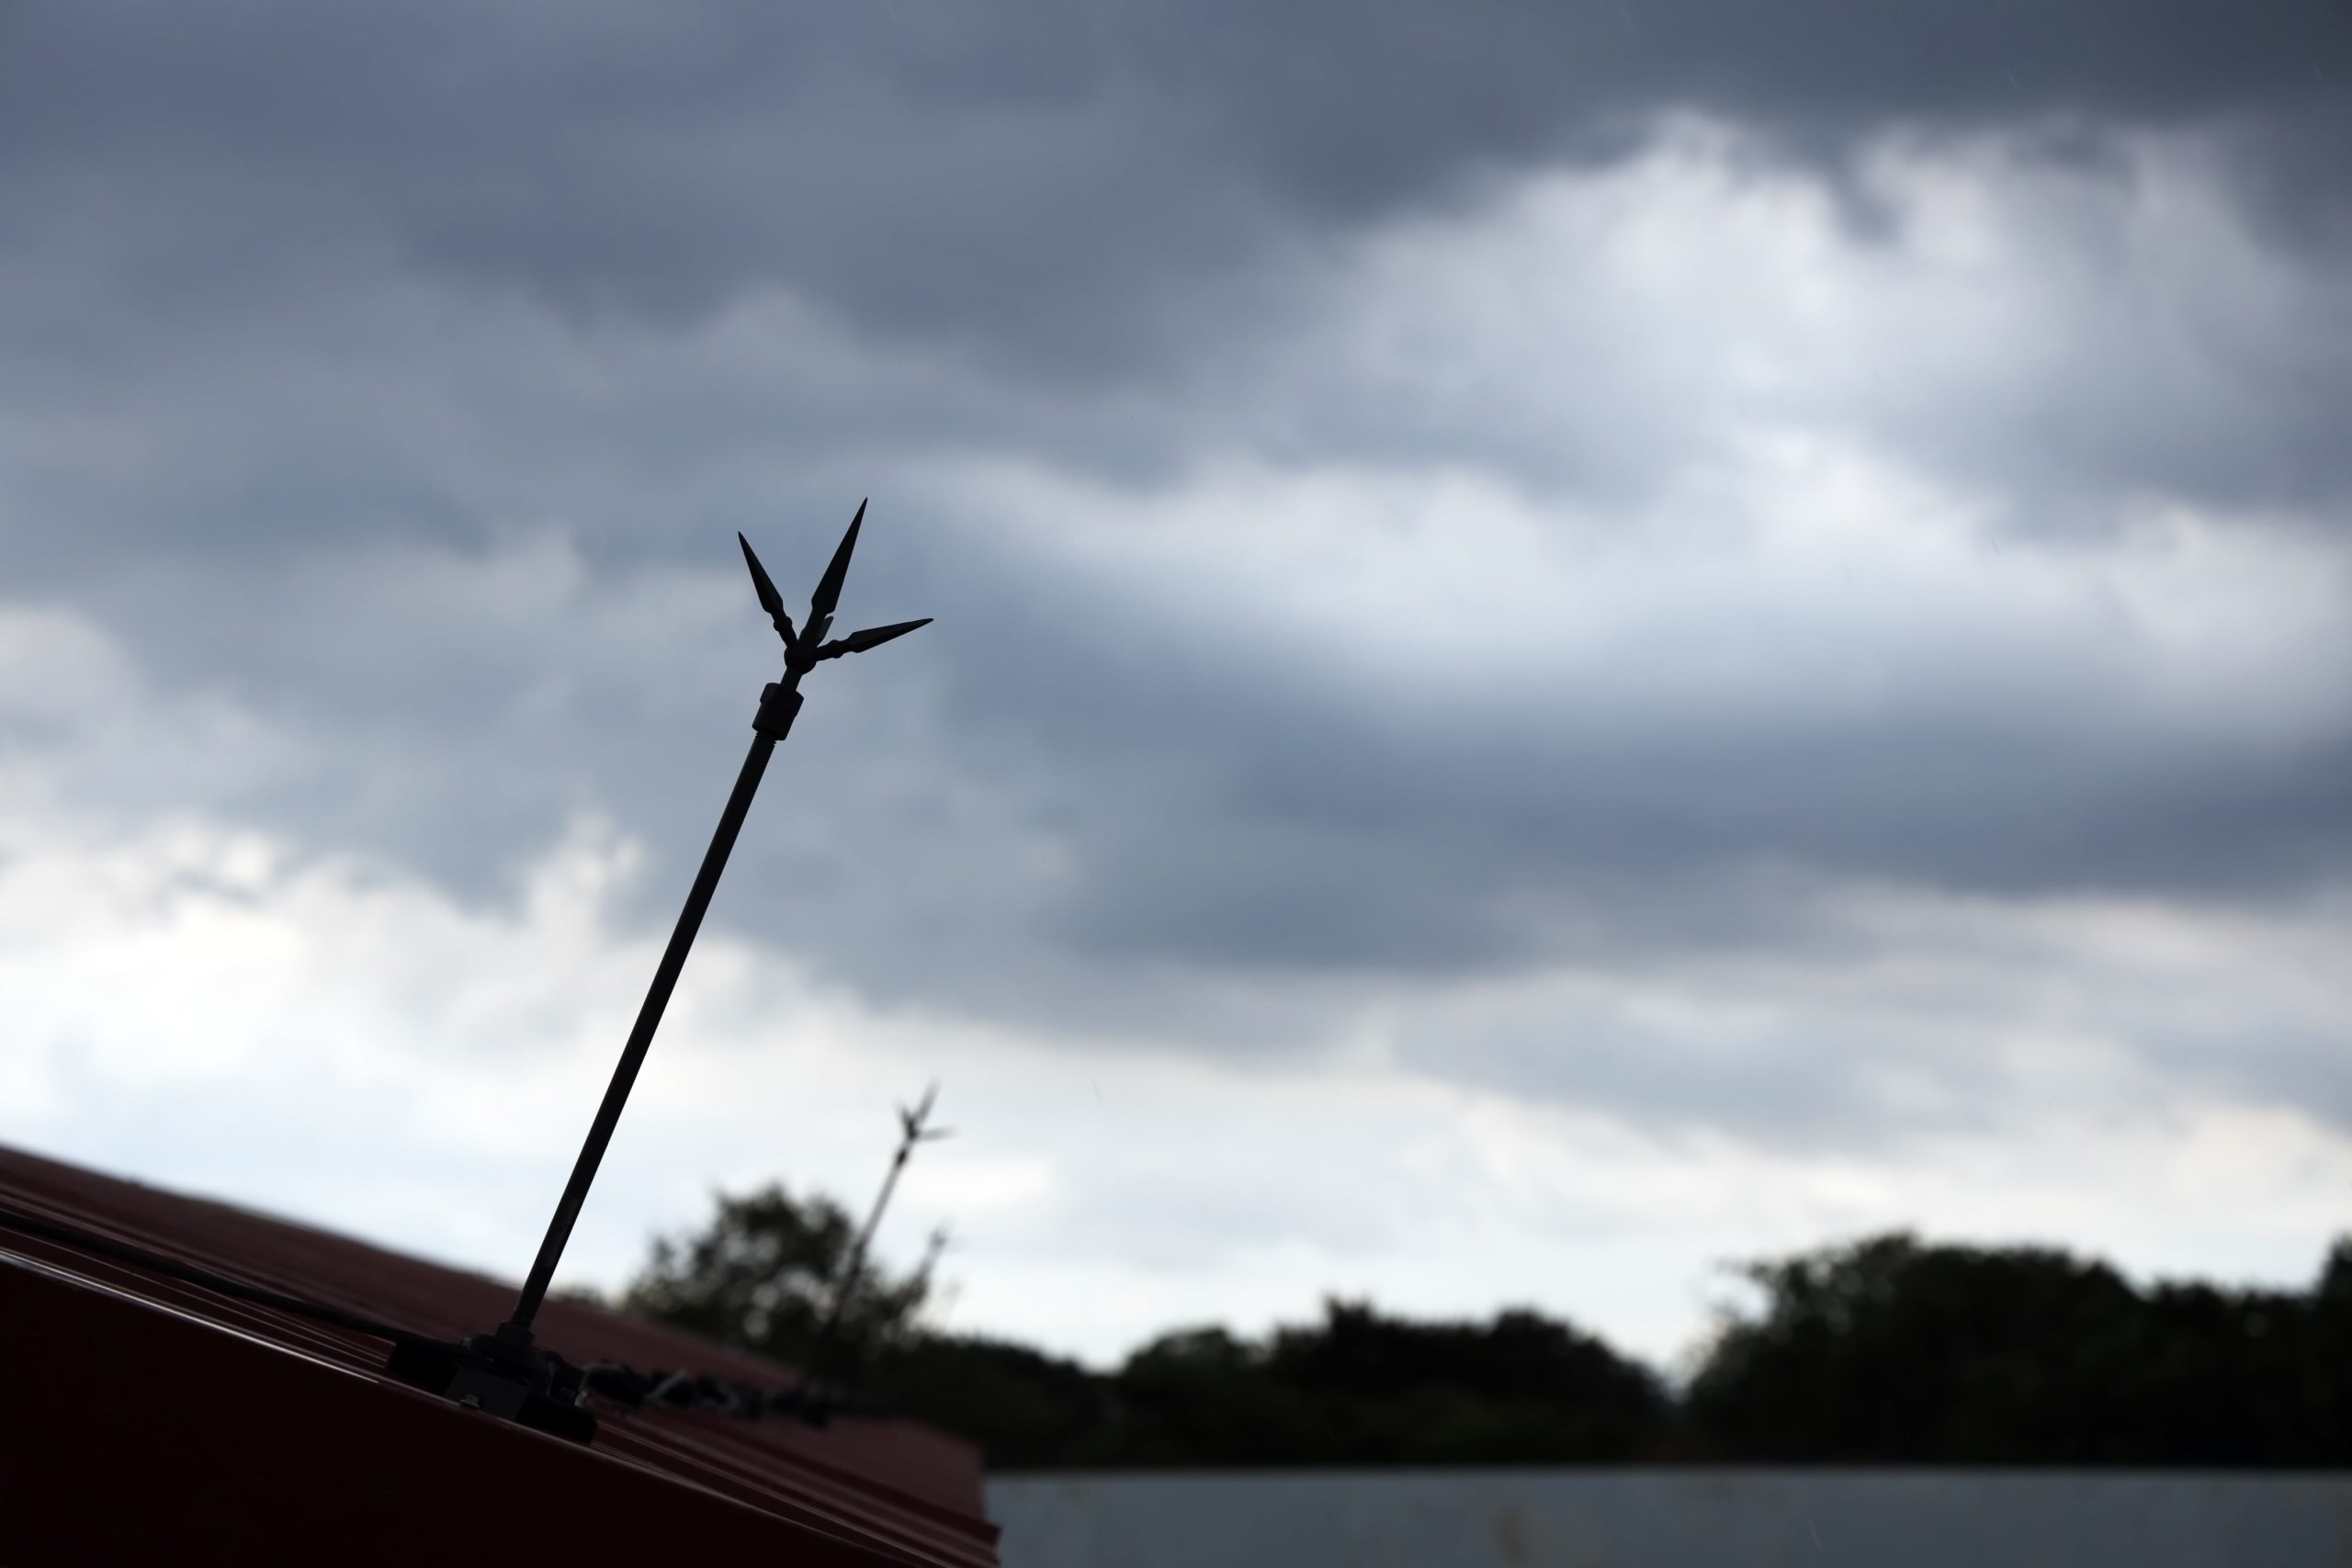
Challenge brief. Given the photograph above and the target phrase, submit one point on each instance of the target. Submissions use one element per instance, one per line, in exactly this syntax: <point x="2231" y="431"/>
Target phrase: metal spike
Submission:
<point x="770" y="600"/>
<point x="829" y="587"/>
<point x="912" y="1120"/>
<point x="514" y="1367"/>
<point x="872" y="637"/>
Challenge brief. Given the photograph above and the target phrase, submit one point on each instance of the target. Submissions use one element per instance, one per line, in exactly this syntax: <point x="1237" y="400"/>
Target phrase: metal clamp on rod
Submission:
<point x="779" y="706"/>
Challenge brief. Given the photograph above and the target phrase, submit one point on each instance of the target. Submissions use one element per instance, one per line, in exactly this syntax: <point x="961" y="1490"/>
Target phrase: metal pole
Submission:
<point x="502" y="1372"/>
<point x="812" y="1367"/>
<point x="821" y="1346"/>
<point x="777" y="707"/>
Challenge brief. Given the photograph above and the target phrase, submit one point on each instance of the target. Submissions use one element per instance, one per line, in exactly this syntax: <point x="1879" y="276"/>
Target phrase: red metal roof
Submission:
<point x="141" y="1415"/>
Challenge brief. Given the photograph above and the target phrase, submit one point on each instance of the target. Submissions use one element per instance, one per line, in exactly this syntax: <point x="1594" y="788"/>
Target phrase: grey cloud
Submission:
<point x="1123" y="194"/>
<point x="1047" y="182"/>
<point x="310" y="311"/>
<point x="1045" y="785"/>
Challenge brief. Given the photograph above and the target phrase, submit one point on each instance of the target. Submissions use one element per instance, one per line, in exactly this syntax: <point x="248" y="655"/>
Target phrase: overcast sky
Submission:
<point x="1574" y="641"/>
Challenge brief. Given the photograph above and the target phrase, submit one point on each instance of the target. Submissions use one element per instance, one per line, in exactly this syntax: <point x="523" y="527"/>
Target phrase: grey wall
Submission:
<point x="1656" y="1519"/>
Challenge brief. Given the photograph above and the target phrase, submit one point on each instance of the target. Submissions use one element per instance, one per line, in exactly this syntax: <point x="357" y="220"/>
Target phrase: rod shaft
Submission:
<point x="641" y="1038"/>
<point x="819" y="1349"/>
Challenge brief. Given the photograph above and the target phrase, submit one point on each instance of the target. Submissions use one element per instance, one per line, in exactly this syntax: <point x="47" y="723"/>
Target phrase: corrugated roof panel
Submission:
<point x="122" y="1380"/>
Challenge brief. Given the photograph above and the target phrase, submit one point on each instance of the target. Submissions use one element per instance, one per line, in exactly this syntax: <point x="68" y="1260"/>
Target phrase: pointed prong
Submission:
<point x="873" y="637"/>
<point x="829" y="587"/>
<point x="770" y="600"/>
<point x="912" y="1119"/>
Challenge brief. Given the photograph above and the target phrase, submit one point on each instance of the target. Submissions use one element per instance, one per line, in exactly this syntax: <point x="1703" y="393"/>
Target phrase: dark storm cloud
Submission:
<point x="1041" y="179"/>
<point x="311" y="311"/>
<point x="1051" y="781"/>
<point x="1268" y="822"/>
<point x="1044" y="191"/>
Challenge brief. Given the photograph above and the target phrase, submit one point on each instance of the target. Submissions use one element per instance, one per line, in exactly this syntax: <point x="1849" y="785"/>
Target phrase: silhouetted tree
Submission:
<point x="760" y="1275"/>
<point x="1881" y="1351"/>
<point x="2328" y="1393"/>
<point x="1201" y="1396"/>
<point x="1521" y="1389"/>
<point x="1888" y="1352"/>
<point x="1025" y="1409"/>
<point x="1363" y="1389"/>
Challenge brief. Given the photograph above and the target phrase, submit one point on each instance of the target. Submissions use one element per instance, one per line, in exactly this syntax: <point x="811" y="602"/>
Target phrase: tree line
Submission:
<point x="1887" y="1350"/>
